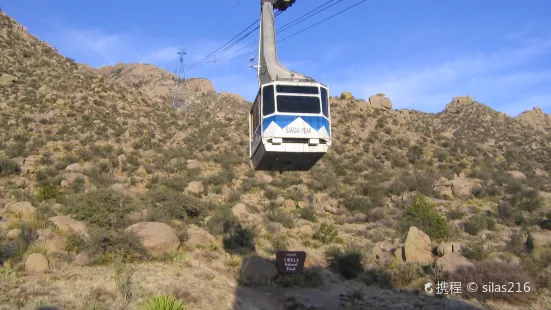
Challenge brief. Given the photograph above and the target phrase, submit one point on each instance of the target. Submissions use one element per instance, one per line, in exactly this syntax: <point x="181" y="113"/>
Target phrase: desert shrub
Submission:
<point x="505" y="211"/>
<point x="529" y="244"/>
<point x="45" y="175"/>
<point x="16" y="149"/>
<point x="421" y="214"/>
<point x="276" y="214"/>
<point x="222" y="221"/>
<point x="105" y="246"/>
<point x="309" y="214"/>
<point x="326" y="233"/>
<point x="479" y="222"/>
<point x="15" y="249"/>
<point x="493" y="271"/>
<point x="415" y="154"/>
<point x="123" y="279"/>
<point x="455" y="214"/>
<point x="47" y="192"/>
<point x="398" y="187"/>
<point x="279" y="242"/>
<point x="308" y="278"/>
<point x="221" y="178"/>
<point x="545" y="224"/>
<point x="519" y="219"/>
<point x="528" y="200"/>
<point x="104" y="208"/>
<point x="163" y="303"/>
<point x="421" y="181"/>
<point x="347" y="262"/>
<point x="165" y="204"/>
<point x="357" y="203"/>
<point x="239" y="238"/>
<point x="234" y="195"/>
<point x="75" y="243"/>
<point x="516" y="243"/>
<point x="8" y="167"/>
<point x="477" y="250"/>
<point x="235" y="236"/>
<point x="404" y="274"/>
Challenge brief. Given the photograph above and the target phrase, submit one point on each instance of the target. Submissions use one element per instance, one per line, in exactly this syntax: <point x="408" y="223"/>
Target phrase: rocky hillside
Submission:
<point x="105" y="188"/>
<point x="157" y="84"/>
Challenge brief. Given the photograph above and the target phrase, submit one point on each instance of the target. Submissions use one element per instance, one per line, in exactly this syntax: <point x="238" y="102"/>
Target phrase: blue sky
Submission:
<point x="419" y="53"/>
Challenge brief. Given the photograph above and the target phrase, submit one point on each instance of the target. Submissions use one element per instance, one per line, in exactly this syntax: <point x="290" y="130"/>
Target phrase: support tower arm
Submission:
<point x="269" y="68"/>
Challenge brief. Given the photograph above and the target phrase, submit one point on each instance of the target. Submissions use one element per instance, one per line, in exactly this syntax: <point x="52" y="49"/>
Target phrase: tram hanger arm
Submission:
<point x="267" y="58"/>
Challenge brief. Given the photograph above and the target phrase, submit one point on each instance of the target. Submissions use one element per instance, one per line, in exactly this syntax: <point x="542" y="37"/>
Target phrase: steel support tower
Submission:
<point x="179" y="97"/>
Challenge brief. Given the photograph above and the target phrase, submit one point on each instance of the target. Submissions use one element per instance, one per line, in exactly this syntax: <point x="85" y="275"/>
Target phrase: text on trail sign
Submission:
<point x="290" y="261"/>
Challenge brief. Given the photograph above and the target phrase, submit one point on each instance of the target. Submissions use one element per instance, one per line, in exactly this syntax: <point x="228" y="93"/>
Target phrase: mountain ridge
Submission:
<point x="90" y="156"/>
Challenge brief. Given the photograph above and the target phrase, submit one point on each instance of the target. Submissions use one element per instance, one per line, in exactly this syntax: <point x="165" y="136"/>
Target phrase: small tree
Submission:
<point x="420" y="213"/>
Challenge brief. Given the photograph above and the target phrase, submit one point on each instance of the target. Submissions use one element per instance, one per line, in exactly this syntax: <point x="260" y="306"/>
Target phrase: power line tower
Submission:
<point x="179" y="97"/>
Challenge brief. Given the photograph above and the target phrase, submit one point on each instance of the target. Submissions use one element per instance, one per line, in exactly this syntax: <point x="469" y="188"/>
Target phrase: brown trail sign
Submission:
<point x="290" y="261"/>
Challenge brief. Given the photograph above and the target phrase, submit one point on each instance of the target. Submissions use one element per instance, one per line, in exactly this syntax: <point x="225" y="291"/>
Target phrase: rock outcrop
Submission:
<point x="156" y="238"/>
<point x="36" y="263"/>
<point x="380" y="102"/>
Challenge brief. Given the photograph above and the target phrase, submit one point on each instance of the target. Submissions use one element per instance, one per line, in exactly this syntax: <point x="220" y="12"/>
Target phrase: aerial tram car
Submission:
<point x="290" y="119"/>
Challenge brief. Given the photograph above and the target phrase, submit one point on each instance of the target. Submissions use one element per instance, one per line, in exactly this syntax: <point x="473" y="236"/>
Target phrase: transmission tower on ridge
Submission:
<point x="179" y="98"/>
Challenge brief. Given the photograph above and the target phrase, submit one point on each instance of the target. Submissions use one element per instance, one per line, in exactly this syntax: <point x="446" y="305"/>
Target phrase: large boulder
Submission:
<point x="195" y="188"/>
<point x="199" y="238"/>
<point x="381" y="253"/>
<point x="445" y="248"/>
<point x="7" y="79"/>
<point x="258" y="270"/>
<point x="515" y="174"/>
<point x="417" y="247"/>
<point x="156" y="238"/>
<point x="451" y="262"/>
<point x="13" y="234"/>
<point x="36" y="263"/>
<point x="68" y="225"/>
<point x="380" y="102"/>
<point x="24" y="208"/>
<point x="82" y="259"/>
<point x="346" y="95"/>
<point x="52" y="241"/>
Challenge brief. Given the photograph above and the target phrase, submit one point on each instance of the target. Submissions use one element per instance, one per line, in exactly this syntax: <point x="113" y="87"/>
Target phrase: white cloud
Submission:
<point x="498" y="76"/>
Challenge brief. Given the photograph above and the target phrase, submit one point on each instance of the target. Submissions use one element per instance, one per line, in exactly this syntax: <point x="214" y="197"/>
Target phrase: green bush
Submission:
<point x="477" y="250"/>
<point x="278" y="215"/>
<point x="235" y="236"/>
<point x="8" y="167"/>
<point x="528" y="200"/>
<point x="309" y="214"/>
<point x="421" y="214"/>
<point x="75" y="243"/>
<point x="505" y="211"/>
<point x="477" y="223"/>
<point x="239" y="238"/>
<point x="104" y="208"/>
<point x="279" y="243"/>
<point x="163" y="303"/>
<point x="16" y="149"/>
<point x="222" y="221"/>
<point x="47" y="192"/>
<point x="326" y="233"/>
<point x="166" y="204"/>
<point x="105" y="246"/>
<point x="348" y="262"/>
<point x="545" y="224"/>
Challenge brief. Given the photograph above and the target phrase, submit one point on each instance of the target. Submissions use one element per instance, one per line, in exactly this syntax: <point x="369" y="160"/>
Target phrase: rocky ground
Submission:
<point x="108" y="197"/>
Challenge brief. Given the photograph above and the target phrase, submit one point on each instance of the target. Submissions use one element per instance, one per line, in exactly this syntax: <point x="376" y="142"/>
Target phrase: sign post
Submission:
<point x="289" y="262"/>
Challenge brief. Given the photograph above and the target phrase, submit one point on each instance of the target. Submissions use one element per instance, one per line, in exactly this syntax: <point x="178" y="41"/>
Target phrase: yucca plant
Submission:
<point x="163" y="303"/>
